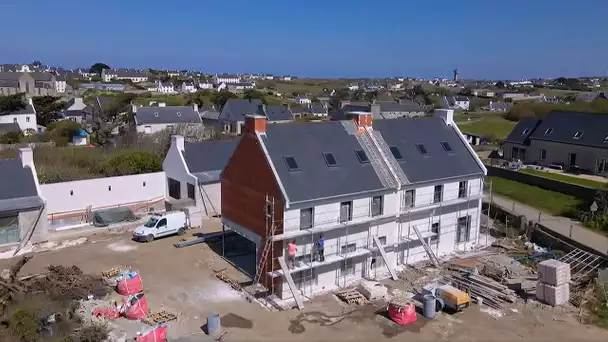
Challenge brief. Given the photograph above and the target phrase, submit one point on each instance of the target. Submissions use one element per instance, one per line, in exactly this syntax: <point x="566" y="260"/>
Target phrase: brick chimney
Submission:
<point x="361" y="119"/>
<point x="255" y="124"/>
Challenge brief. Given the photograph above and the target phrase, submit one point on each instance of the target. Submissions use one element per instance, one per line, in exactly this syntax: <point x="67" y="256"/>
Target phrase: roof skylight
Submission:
<point x="362" y="156"/>
<point x="446" y="146"/>
<point x="330" y="159"/>
<point x="526" y="131"/>
<point x="396" y="153"/>
<point x="578" y="134"/>
<point x="606" y="138"/>
<point x="292" y="164"/>
<point x="548" y="131"/>
<point x="422" y="149"/>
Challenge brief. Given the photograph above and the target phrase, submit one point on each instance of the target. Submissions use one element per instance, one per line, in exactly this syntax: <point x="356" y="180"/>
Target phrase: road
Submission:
<point x="562" y="225"/>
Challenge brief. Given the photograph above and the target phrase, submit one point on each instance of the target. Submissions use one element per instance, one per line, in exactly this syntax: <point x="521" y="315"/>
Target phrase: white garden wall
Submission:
<point x="76" y="196"/>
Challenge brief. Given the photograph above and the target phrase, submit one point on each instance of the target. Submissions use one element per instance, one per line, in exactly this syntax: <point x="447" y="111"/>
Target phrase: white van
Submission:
<point x="159" y="225"/>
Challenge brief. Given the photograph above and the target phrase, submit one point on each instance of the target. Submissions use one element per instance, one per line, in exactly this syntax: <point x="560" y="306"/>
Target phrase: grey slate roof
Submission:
<point x="17" y="186"/>
<point x="566" y="124"/>
<point x="315" y="180"/>
<point x="28" y="109"/>
<point x="74" y="113"/>
<point x="317" y="108"/>
<point x="429" y="131"/>
<point x="9" y="127"/>
<point x="278" y="113"/>
<point x="407" y="106"/>
<point x="166" y="115"/>
<point x="340" y="114"/>
<point x="498" y="105"/>
<point x="206" y="159"/>
<point x="527" y="125"/>
<point x="235" y="109"/>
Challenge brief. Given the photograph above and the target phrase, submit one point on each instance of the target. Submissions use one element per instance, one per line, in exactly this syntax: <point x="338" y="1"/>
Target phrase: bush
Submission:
<point x="541" y="109"/>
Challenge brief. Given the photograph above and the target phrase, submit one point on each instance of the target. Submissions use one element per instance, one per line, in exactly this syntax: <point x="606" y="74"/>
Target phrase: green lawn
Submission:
<point x="482" y="124"/>
<point x="548" y="201"/>
<point x="565" y="178"/>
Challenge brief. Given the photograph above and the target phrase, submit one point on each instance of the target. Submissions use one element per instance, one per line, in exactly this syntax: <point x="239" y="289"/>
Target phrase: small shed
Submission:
<point x="80" y="137"/>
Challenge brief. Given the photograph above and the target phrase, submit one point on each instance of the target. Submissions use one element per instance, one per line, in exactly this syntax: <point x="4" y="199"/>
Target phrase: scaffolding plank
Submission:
<point x="427" y="248"/>
<point x="386" y="260"/>
<point x="292" y="285"/>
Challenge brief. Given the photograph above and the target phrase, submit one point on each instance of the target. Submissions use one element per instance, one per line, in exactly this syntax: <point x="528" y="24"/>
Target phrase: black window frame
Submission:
<point x="412" y="203"/>
<point x="396" y="153"/>
<point x="349" y="214"/>
<point x="191" y="191"/>
<point x="422" y="150"/>
<point x="462" y="189"/>
<point x="362" y="156"/>
<point x="377" y="206"/>
<point x="447" y="147"/>
<point x="327" y="156"/>
<point x="291" y="167"/>
<point x="158" y="224"/>
<point x="440" y="192"/>
<point x="307" y="225"/>
<point x="543" y="154"/>
<point x="174" y="187"/>
<point x="466" y="225"/>
<point x="435" y="228"/>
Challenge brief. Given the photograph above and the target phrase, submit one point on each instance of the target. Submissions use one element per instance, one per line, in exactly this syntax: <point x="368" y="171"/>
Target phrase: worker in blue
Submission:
<point x="321" y="248"/>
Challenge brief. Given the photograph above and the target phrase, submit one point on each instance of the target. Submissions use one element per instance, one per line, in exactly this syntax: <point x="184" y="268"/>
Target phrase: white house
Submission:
<point x="455" y="102"/>
<point x="24" y="117"/>
<point x="157" y="118"/>
<point x="188" y="87"/>
<point x="203" y="84"/>
<point x="193" y="170"/>
<point x="163" y="87"/>
<point x="60" y="84"/>
<point x="134" y="75"/>
<point x="286" y="78"/>
<point x="303" y="99"/>
<point x="378" y="199"/>
<point x="226" y="78"/>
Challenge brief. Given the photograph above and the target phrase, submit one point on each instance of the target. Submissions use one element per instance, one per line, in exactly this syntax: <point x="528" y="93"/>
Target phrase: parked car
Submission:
<point x="159" y="225"/>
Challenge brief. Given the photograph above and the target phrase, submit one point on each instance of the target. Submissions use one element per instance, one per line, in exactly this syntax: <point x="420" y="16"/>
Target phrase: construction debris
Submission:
<point x="158" y="317"/>
<point x="351" y="296"/>
<point x="493" y="293"/>
<point x="553" y="285"/>
<point x="372" y="290"/>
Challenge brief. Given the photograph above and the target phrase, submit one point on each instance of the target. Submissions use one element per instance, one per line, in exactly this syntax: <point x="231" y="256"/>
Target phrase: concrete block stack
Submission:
<point x="553" y="286"/>
<point x="372" y="290"/>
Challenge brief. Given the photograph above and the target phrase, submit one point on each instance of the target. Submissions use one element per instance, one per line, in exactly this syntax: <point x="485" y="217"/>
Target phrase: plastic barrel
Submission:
<point x="213" y="324"/>
<point x="429" y="305"/>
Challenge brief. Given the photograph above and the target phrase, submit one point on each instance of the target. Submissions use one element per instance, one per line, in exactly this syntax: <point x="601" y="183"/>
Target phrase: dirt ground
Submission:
<point x="182" y="280"/>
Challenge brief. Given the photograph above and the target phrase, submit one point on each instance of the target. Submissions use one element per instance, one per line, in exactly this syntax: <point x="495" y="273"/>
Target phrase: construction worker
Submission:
<point x="321" y="247"/>
<point x="291" y="254"/>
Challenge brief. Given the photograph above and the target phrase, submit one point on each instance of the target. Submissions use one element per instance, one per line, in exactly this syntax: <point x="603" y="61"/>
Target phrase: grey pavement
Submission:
<point x="562" y="225"/>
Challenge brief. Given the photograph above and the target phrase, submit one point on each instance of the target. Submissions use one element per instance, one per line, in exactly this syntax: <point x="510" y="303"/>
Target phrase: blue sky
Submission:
<point x="331" y="38"/>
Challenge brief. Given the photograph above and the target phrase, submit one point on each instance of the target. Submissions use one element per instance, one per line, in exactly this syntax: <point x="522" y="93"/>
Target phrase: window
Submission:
<point x="330" y="160"/>
<point x="396" y="153"/>
<point x="377" y="205"/>
<point x="350" y="248"/>
<point x="543" y="154"/>
<point x="548" y="131"/>
<point x="174" y="188"/>
<point x="306" y="218"/>
<point x="292" y="164"/>
<point x="578" y="134"/>
<point x="463" y="229"/>
<point x="162" y="223"/>
<point x="438" y="194"/>
<point x="27" y="119"/>
<point x="409" y="198"/>
<point x="422" y="149"/>
<point x="9" y="228"/>
<point x="446" y="147"/>
<point x="362" y="156"/>
<point x="526" y="131"/>
<point x="435" y="230"/>
<point x="109" y="188"/>
<point x="346" y="211"/>
<point x="462" y="189"/>
<point x="190" y="190"/>
<point x="606" y="138"/>
<point x="14" y="120"/>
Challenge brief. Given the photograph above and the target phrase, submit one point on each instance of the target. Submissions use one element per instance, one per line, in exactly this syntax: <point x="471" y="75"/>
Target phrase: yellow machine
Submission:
<point x="452" y="297"/>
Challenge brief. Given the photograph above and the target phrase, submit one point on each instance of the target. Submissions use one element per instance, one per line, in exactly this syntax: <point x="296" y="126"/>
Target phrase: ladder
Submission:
<point x="384" y="256"/>
<point x="427" y="248"/>
<point x="270" y="229"/>
<point x="386" y="178"/>
<point x="392" y="164"/>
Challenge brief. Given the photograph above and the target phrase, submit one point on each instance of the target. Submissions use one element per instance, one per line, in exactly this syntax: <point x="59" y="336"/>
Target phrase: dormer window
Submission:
<point x="548" y="131"/>
<point x="526" y="131"/>
<point x="578" y="134"/>
<point x="606" y="139"/>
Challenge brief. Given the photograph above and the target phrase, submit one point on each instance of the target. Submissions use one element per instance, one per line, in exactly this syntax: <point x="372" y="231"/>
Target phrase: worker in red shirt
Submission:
<point x="291" y="254"/>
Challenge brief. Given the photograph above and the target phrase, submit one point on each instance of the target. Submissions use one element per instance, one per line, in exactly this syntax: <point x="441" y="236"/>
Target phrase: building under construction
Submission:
<point x="382" y="194"/>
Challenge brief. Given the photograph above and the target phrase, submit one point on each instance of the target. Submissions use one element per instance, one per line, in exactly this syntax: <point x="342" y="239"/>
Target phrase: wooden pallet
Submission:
<point x="159" y="317"/>
<point x="400" y="302"/>
<point x="351" y="297"/>
<point x="221" y="275"/>
<point x="114" y="271"/>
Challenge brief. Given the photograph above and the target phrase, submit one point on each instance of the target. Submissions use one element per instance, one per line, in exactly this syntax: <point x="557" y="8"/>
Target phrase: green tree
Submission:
<point x="251" y="94"/>
<point x="97" y="68"/>
<point x="11" y="103"/>
<point x="200" y="98"/>
<point x="117" y="115"/>
<point x="11" y="137"/>
<point x="47" y="109"/>
<point x="500" y="85"/>
<point x="219" y="98"/>
<point x="62" y="131"/>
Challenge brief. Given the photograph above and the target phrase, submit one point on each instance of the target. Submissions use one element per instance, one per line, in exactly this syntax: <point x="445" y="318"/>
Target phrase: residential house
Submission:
<point x="278" y="113"/>
<point x="483" y="93"/>
<point x="163" y="87"/>
<point x="60" y="84"/>
<point x="499" y="106"/>
<point x="572" y="140"/>
<point x="232" y="115"/>
<point x="303" y="99"/>
<point x="455" y="102"/>
<point x="239" y="87"/>
<point x="204" y="84"/>
<point x="393" y="110"/>
<point x="25" y="117"/>
<point x="134" y="75"/>
<point x="22" y="209"/>
<point x="383" y="194"/>
<point x="79" y="116"/>
<point x="157" y="118"/>
<point x="588" y="97"/>
<point x="188" y="87"/>
<point x="103" y="86"/>
<point x="210" y="116"/>
<point x="286" y="78"/>
<point x="193" y="175"/>
<point x="32" y="84"/>
<point x="342" y="113"/>
<point x="226" y="78"/>
<point x="317" y="109"/>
